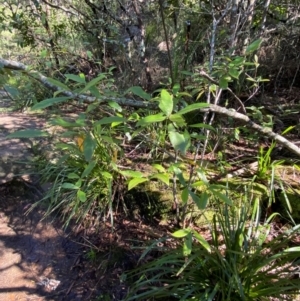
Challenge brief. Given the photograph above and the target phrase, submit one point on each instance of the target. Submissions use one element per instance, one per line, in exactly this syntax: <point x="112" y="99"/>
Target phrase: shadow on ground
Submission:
<point x="38" y="260"/>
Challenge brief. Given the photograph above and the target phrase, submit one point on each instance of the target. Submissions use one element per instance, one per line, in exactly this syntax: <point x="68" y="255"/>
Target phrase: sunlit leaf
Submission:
<point x="81" y="196"/>
<point x="131" y="174"/>
<point x="162" y="177"/>
<point x="151" y="119"/>
<point x="159" y="167"/>
<point x="28" y="134"/>
<point x="166" y="102"/>
<point x="177" y="119"/>
<point x="202" y="241"/>
<point x="179" y="141"/>
<point x="136" y="181"/>
<point x="181" y="233"/>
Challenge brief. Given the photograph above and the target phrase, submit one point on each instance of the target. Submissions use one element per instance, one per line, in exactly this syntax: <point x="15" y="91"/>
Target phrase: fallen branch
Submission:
<point x="13" y="65"/>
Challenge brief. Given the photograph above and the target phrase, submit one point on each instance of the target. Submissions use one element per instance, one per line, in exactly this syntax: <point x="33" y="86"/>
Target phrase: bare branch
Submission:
<point x="266" y="132"/>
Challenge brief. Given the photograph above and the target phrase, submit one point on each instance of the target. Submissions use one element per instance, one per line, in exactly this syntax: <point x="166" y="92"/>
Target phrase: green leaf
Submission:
<point x="136" y="181"/>
<point x="176" y="88"/>
<point x="159" y="167"/>
<point x="181" y="233"/>
<point x="92" y="83"/>
<point x="115" y="105"/>
<point x="162" y="177"/>
<point x="88" y="169"/>
<point x="166" y="102"/>
<point x="89" y="146"/>
<point x="95" y="92"/>
<point x="109" y="120"/>
<point x="81" y="196"/>
<point x="253" y="46"/>
<point x="28" y="134"/>
<point x="138" y="91"/>
<point x="73" y="175"/>
<point x="221" y="196"/>
<point x="177" y="119"/>
<point x="151" y="119"/>
<point x="204" y="126"/>
<point x="61" y="122"/>
<point x="201" y="204"/>
<point x="193" y="107"/>
<point x="202" y="241"/>
<point x="185" y="195"/>
<point x="234" y="72"/>
<point x="223" y="83"/>
<point x="107" y="175"/>
<point x="187" y="244"/>
<point x="58" y="84"/>
<point x="69" y="186"/>
<point x="50" y="102"/>
<point x="180" y="142"/>
<point x="76" y="78"/>
<point x="131" y="174"/>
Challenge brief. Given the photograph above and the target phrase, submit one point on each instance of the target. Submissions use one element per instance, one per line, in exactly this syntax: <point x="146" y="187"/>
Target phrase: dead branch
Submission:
<point x="266" y="132"/>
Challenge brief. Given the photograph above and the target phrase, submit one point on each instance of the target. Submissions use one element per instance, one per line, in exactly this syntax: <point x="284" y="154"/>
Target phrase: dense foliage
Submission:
<point x="198" y="99"/>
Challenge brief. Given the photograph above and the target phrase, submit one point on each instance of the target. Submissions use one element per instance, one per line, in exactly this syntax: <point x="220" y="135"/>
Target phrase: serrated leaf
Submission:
<point x="50" y="102"/>
<point x="151" y="119"/>
<point x="76" y="78"/>
<point x="181" y="233"/>
<point x="253" y="46"/>
<point x="136" y="181"/>
<point x="137" y="90"/>
<point x="193" y="107"/>
<point x="166" y="102"/>
<point x="88" y="169"/>
<point x="89" y="146"/>
<point x="179" y="141"/>
<point x="162" y="177"/>
<point x="81" y="196"/>
<point x="131" y="174"/>
<point x="27" y="134"/>
<point x="69" y="186"/>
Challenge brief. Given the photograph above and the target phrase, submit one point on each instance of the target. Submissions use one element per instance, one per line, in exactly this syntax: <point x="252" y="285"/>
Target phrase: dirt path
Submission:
<point x="38" y="260"/>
